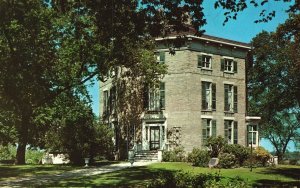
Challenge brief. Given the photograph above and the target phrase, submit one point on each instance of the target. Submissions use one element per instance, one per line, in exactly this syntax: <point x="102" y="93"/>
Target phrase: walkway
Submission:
<point x="91" y="171"/>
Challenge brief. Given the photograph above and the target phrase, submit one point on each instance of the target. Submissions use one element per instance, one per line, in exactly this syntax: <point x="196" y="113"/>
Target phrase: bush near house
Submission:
<point x="240" y="152"/>
<point x="227" y="160"/>
<point x="199" y="157"/>
<point x="175" y="155"/>
<point x="216" y="145"/>
<point x="262" y="156"/>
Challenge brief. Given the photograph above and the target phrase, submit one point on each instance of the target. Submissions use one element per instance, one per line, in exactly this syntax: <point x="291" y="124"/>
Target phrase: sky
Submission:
<point x="242" y="29"/>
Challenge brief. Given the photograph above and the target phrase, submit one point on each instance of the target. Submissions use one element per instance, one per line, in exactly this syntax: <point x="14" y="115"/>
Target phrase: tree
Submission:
<point x="71" y="128"/>
<point x="39" y="61"/>
<point x="282" y="130"/>
<point x="51" y="47"/>
<point x="234" y="7"/>
<point x="274" y="83"/>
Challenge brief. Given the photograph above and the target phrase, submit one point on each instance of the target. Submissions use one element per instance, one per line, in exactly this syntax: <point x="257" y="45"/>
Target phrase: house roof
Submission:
<point x="208" y="38"/>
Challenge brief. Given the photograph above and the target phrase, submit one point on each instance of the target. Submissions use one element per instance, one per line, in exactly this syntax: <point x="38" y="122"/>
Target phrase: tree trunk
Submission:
<point x="20" y="158"/>
<point x="23" y="139"/>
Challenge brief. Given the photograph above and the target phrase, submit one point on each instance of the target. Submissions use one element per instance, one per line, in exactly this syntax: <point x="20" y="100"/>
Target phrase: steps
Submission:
<point x="146" y="155"/>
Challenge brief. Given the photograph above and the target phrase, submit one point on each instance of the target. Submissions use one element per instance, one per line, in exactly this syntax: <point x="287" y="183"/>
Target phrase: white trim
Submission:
<point x="207" y="39"/>
<point x="253" y="118"/>
<point x="206" y="80"/>
<point x="203" y="53"/>
<point x="227" y="57"/>
<point x="206" y="117"/>
<point x="228" y="118"/>
<point x="229" y="83"/>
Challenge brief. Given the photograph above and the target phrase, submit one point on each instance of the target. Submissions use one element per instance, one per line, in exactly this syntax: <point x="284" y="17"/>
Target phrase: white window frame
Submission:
<point x="208" y="94"/>
<point x="230" y="129"/>
<point x="205" y="62"/>
<point x="230" y="98"/>
<point x="228" y="65"/>
<point x="252" y="132"/>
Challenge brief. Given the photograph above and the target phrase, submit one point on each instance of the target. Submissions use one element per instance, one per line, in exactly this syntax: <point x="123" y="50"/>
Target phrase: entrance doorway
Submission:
<point x="154" y="138"/>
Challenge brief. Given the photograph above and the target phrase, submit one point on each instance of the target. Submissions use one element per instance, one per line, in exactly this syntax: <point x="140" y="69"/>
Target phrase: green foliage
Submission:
<point x="215" y="145"/>
<point x="236" y="182"/>
<point x="227" y="160"/>
<point x="262" y="156"/>
<point x="199" y="157"/>
<point x="175" y="155"/>
<point x="7" y="152"/>
<point x="34" y="156"/>
<point x="240" y="152"/>
<point x="187" y="179"/>
<point x="275" y="73"/>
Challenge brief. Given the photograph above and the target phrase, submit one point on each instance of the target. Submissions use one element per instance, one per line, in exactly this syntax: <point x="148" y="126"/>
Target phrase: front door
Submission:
<point x="154" y="138"/>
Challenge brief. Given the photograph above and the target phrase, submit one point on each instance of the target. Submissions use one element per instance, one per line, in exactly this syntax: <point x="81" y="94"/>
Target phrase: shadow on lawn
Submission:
<point x="129" y="177"/>
<point x="8" y="171"/>
<point x="293" y="173"/>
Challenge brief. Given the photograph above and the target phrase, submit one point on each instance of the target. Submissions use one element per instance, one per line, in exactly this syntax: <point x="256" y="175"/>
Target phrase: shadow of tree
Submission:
<point x="130" y="177"/>
<point x="293" y="173"/>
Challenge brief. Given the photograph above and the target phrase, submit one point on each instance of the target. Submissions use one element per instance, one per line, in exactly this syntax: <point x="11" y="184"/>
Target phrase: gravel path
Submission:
<point x="40" y="180"/>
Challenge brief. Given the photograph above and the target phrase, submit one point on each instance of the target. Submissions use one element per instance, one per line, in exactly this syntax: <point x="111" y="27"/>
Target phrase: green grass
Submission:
<point x="11" y="172"/>
<point x="280" y="176"/>
<point x="139" y="176"/>
<point x="16" y="171"/>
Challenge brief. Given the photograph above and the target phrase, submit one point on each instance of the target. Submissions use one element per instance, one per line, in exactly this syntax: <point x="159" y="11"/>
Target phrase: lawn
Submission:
<point x="280" y="176"/>
<point x="11" y="172"/>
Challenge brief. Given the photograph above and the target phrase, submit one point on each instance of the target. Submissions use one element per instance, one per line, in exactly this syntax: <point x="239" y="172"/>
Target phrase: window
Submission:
<point x="156" y="98"/>
<point x="160" y="57"/>
<point x="204" y="61"/>
<point x="208" y="96"/>
<point x="162" y="95"/>
<point x="112" y="98"/>
<point x="228" y="65"/>
<point x="252" y="135"/>
<point x="105" y="102"/>
<point x="209" y="128"/>
<point x="231" y="131"/>
<point x="230" y="98"/>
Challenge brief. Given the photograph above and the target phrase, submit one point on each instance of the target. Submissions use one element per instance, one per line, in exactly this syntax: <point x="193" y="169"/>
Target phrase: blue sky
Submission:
<point x="243" y="29"/>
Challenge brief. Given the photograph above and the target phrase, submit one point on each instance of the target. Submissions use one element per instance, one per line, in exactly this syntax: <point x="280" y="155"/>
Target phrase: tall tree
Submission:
<point x="51" y="47"/>
<point x="274" y="83"/>
<point x="43" y="54"/>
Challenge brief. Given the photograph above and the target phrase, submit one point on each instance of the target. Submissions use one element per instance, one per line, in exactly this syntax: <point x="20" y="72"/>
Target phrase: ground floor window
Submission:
<point x="231" y="131"/>
<point x="209" y="128"/>
<point x="252" y="135"/>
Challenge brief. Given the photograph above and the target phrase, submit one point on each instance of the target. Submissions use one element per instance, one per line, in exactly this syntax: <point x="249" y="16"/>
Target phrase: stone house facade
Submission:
<point x="202" y="95"/>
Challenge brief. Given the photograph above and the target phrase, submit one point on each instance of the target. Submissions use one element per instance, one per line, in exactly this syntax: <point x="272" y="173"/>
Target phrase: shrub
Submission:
<point x="236" y="182"/>
<point x="227" y="160"/>
<point x="240" y="152"/>
<point x="186" y="179"/>
<point x="176" y="155"/>
<point x="216" y="145"/>
<point x="293" y="161"/>
<point x="199" y="157"/>
<point x="34" y="156"/>
<point x="262" y="156"/>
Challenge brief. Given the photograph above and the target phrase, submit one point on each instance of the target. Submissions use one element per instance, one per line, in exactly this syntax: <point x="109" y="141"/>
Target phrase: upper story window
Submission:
<point x="209" y="129"/>
<point x="204" y="61"/>
<point x="105" y="102"/>
<point x="160" y="57"/>
<point x="230" y="98"/>
<point x="231" y="131"/>
<point x="208" y="96"/>
<point x="228" y="65"/>
<point x="155" y="98"/>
